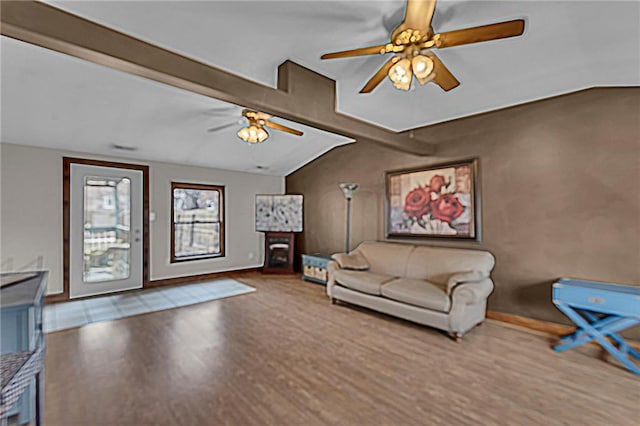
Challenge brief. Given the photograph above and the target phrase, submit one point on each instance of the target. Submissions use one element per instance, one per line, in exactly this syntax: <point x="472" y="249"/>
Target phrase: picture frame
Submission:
<point x="439" y="201"/>
<point x="279" y="213"/>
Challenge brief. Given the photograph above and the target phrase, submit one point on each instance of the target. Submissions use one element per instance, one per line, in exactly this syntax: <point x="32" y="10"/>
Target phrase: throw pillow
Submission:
<point x="354" y="261"/>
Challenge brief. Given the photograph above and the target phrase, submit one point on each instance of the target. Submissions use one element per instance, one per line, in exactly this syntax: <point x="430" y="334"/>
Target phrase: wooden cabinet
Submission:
<point x="21" y="309"/>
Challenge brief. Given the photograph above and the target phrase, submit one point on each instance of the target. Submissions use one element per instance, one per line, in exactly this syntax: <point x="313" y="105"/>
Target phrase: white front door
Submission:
<point x="105" y="246"/>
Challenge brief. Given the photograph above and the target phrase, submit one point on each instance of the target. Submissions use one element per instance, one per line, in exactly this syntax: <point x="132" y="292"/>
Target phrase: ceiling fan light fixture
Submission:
<point x="414" y="35"/>
<point x="400" y="74"/>
<point x="253" y="134"/>
<point x="255" y="131"/>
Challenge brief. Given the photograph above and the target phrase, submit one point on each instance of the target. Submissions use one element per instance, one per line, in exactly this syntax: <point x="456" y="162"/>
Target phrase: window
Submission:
<point x="107" y="229"/>
<point x="197" y="225"/>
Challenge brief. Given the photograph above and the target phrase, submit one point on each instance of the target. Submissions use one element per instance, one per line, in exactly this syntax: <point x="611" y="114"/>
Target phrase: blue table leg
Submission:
<point x="623" y="346"/>
<point x="605" y="327"/>
<point x="597" y="334"/>
<point x="595" y="321"/>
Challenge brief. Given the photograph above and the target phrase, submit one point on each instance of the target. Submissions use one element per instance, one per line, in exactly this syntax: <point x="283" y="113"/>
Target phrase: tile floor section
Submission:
<point x="61" y="316"/>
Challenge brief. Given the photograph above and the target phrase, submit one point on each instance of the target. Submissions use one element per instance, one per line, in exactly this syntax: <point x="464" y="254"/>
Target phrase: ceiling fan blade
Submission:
<point x="223" y="109"/>
<point x="255" y="115"/>
<point x="442" y="75"/>
<point x="224" y="126"/>
<point x="276" y="126"/>
<point x="418" y="14"/>
<point x="373" y="50"/>
<point x="480" y="34"/>
<point x="379" y="76"/>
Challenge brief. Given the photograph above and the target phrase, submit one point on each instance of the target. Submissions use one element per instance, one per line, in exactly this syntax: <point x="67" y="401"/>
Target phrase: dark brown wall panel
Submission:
<point x="560" y="185"/>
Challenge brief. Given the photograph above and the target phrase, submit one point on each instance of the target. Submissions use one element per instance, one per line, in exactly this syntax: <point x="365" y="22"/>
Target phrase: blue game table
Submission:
<point x="600" y="311"/>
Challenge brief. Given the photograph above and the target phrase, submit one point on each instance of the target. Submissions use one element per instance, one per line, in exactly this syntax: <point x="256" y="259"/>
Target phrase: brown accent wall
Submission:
<point x="560" y="191"/>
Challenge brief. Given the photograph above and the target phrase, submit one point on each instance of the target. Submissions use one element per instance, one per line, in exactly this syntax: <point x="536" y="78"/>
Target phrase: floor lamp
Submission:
<point x="348" y="189"/>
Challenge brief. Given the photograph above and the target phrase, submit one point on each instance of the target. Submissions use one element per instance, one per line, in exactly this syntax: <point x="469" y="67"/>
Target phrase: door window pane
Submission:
<point x="107" y="233"/>
<point x="197" y="225"/>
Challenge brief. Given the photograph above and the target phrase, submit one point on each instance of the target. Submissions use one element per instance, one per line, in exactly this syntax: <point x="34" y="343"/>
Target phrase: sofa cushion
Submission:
<point x="438" y="264"/>
<point x="418" y="293"/>
<point x="366" y="282"/>
<point x="353" y="260"/>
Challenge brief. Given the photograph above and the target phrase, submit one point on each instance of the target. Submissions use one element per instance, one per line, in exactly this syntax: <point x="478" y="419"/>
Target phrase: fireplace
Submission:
<point x="278" y="216"/>
<point x="278" y="252"/>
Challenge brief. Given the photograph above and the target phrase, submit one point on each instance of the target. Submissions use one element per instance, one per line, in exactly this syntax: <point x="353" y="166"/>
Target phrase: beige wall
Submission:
<point x="244" y="246"/>
<point x="31" y="213"/>
<point x="31" y="221"/>
<point x="560" y="182"/>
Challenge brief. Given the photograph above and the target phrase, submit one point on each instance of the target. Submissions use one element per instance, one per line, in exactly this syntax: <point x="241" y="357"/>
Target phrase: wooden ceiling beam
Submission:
<point x="302" y="95"/>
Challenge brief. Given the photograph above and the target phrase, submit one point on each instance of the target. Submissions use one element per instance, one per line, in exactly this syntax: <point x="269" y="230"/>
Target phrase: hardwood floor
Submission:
<point x="284" y="355"/>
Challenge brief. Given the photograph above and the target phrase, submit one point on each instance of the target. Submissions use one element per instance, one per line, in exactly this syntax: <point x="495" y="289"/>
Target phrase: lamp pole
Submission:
<point x="347" y="190"/>
<point x="348" y="223"/>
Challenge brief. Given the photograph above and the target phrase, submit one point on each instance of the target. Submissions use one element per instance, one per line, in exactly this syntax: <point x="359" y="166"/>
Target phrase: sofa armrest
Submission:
<point x="465" y="277"/>
<point x="332" y="266"/>
<point x="470" y="293"/>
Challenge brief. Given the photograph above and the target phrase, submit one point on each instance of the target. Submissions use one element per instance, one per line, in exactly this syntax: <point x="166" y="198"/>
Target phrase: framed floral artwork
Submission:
<point x="434" y="202"/>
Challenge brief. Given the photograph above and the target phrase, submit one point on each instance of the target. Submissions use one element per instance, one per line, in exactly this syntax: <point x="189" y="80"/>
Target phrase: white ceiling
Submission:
<point x="53" y="100"/>
<point x="567" y="46"/>
<point x="56" y="101"/>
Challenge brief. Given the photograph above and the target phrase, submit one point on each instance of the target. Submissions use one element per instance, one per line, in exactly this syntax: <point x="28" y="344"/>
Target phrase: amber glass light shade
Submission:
<point x="400" y="74"/>
<point x="422" y="66"/>
<point x="253" y="134"/>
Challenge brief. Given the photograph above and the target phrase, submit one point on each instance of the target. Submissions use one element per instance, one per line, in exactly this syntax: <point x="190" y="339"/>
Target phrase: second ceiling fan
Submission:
<point x="411" y="43"/>
<point x="255" y="131"/>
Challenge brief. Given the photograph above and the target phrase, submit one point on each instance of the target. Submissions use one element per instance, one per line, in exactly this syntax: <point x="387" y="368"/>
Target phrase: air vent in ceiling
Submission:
<point x="124" y="147"/>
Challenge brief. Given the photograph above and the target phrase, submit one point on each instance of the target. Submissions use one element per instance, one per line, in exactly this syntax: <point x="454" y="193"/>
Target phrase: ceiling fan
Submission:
<point x="412" y="41"/>
<point x="255" y="131"/>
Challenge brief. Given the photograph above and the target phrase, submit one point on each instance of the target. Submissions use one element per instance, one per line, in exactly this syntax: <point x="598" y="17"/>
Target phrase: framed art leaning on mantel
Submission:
<point x="439" y="201"/>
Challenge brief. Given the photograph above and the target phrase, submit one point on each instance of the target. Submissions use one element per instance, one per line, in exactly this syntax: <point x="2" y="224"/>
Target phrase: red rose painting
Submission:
<point x="436" y="183"/>
<point x="446" y="208"/>
<point x="417" y="202"/>
<point x="437" y="201"/>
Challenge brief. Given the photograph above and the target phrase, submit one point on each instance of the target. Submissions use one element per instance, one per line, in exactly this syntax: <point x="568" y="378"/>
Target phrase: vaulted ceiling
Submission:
<point x="50" y="99"/>
<point x="567" y="46"/>
<point x="57" y="101"/>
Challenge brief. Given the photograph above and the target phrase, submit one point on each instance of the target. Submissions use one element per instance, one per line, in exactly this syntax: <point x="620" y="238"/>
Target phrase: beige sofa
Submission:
<point x="440" y="287"/>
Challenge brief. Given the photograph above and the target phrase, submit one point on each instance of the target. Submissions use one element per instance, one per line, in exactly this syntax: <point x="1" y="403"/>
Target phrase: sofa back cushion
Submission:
<point x="437" y="264"/>
<point x="386" y="258"/>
